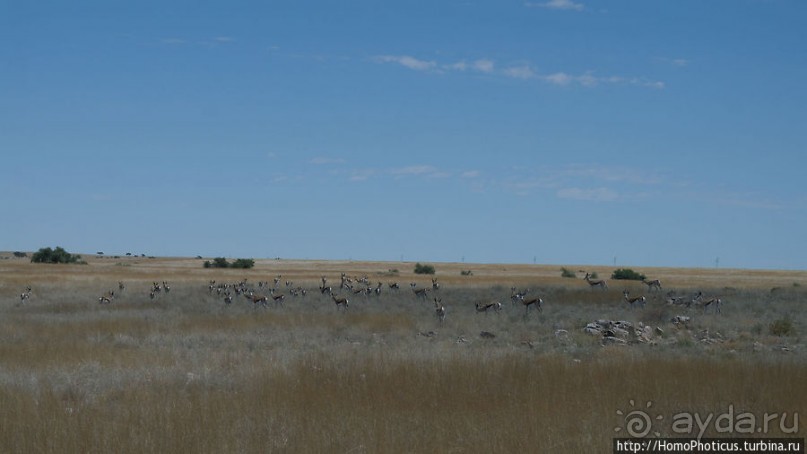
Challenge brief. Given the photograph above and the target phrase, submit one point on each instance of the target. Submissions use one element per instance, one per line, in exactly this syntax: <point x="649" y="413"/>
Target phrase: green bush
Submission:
<point x="424" y="269"/>
<point x="781" y="327"/>
<point x="628" y="274"/>
<point x="466" y="273"/>
<point x="243" y="263"/>
<point x="566" y="272"/>
<point x="221" y="262"/>
<point x="58" y="255"/>
<point x="19" y="254"/>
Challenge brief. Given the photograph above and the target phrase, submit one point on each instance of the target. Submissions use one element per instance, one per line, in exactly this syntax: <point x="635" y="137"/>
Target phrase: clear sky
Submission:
<point x="641" y="132"/>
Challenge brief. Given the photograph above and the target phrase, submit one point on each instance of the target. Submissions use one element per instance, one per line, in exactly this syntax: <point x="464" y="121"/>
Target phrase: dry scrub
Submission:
<point x="186" y="373"/>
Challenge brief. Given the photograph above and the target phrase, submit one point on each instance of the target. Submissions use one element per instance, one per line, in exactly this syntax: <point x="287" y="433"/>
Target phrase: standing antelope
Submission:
<point x="340" y="301"/>
<point x="596" y="283"/>
<point x="256" y="299"/>
<point x="277" y="298"/>
<point x="25" y="295"/>
<point x="121" y="287"/>
<point x="535" y="301"/>
<point x="419" y="292"/>
<point x="654" y="284"/>
<point x="699" y="299"/>
<point x="394" y="286"/>
<point x="439" y="310"/>
<point x="435" y="284"/>
<point x="641" y="300"/>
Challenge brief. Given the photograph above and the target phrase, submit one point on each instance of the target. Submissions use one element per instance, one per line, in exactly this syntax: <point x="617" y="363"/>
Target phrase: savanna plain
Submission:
<point x="184" y="371"/>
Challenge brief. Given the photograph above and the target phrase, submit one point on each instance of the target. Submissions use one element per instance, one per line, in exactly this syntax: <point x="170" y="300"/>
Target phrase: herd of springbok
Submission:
<point x="262" y="293"/>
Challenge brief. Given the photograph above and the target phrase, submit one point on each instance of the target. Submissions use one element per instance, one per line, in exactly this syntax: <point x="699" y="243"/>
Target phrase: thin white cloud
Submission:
<point x="484" y="65"/>
<point x="224" y="39"/>
<point x="519" y="72"/>
<point x="415" y="170"/>
<point x="470" y="174"/>
<point x="595" y="195"/>
<point x="408" y="62"/>
<point x="557" y="4"/>
<point x="523" y="71"/>
<point x="321" y="161"/>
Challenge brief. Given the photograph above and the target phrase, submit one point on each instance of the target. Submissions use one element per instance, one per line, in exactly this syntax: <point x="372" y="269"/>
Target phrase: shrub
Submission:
<point x="466" y="273"/>
<point x="221" y="262"/>
<point x="58" y="255"/>
<point x="781" y="327"/>
<point x="566" y="272"/>
<point x="243" y="263"/>
<point x="19" y="254"/>
<point x="424" y="269"/>
<point x="628" y="274"/>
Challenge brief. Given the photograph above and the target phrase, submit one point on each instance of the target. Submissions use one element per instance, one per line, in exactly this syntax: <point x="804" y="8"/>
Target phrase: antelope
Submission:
<point x="699" y="299"/>
<point x="377" y="290"/>
<point x="107" y="298"/>
<point x="495" y="306"/>
<point x="340" y="301"/>
<point x="598" y="283"/>
<point x="25" y="295"/>
<point x="166" y="287"/>
<point x="641" y="300"/>
<point x="325" y="290"/>
<point x="256" y="298"/>
<point x="536" y="301"/>
<point x="654" y="284"/>
<point x="228" y="299"/>
<point x="419" y="292"/>
<point x="121" y="287"/>
<point x="278" y="298"/>
<point x="515" y="295"/>
<point x="394" y="286"/>
<point x="435" y="284"/>
<point x="676" y="300"/>
<point x="439" y="310"/>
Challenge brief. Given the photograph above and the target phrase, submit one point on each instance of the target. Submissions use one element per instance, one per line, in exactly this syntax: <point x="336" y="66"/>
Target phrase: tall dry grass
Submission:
<point x="186" y="373"/>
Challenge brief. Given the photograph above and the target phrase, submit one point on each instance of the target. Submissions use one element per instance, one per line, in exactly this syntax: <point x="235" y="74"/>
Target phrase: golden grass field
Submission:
<point x="186" y="373"/>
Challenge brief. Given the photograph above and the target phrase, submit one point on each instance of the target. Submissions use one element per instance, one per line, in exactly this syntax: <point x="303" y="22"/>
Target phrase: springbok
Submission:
<point x="419" y="292"/>
<point x="340" y="301"/>
<point x="439" y="310"/>
<point x="640" y="300"/>
<point x="601" y="283"/>
<point x="706" y="302"/>
<point x="494" y="306"/>
<point x="654" y="284"/>
<point x="535" y="301"/>
<point x="106" y="298"/>
<point x="435" y="284"/>
<point x="256" y="299"/>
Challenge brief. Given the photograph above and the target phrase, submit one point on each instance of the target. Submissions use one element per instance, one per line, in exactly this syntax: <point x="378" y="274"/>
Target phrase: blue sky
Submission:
<point x="646" y="133"/>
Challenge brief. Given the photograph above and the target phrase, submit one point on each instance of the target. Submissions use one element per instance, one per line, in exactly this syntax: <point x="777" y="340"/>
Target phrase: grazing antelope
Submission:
<point x="676" y="300"/>
<point x="596" y="283"/>
<point x="340" y="301"/>
<point x="641" y="300"/>
<point x="699" y="299"/>
<point x="654" y="284"/>
<point x="394" y="286"/>
<point x="326" y="290"/>
<point x="439" y="310"/>
<point x="277" y="298"/>
<point x="494" y="306"/>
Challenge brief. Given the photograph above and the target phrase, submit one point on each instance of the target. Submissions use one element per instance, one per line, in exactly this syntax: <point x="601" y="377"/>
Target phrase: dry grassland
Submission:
<point x="186" y="373"/>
